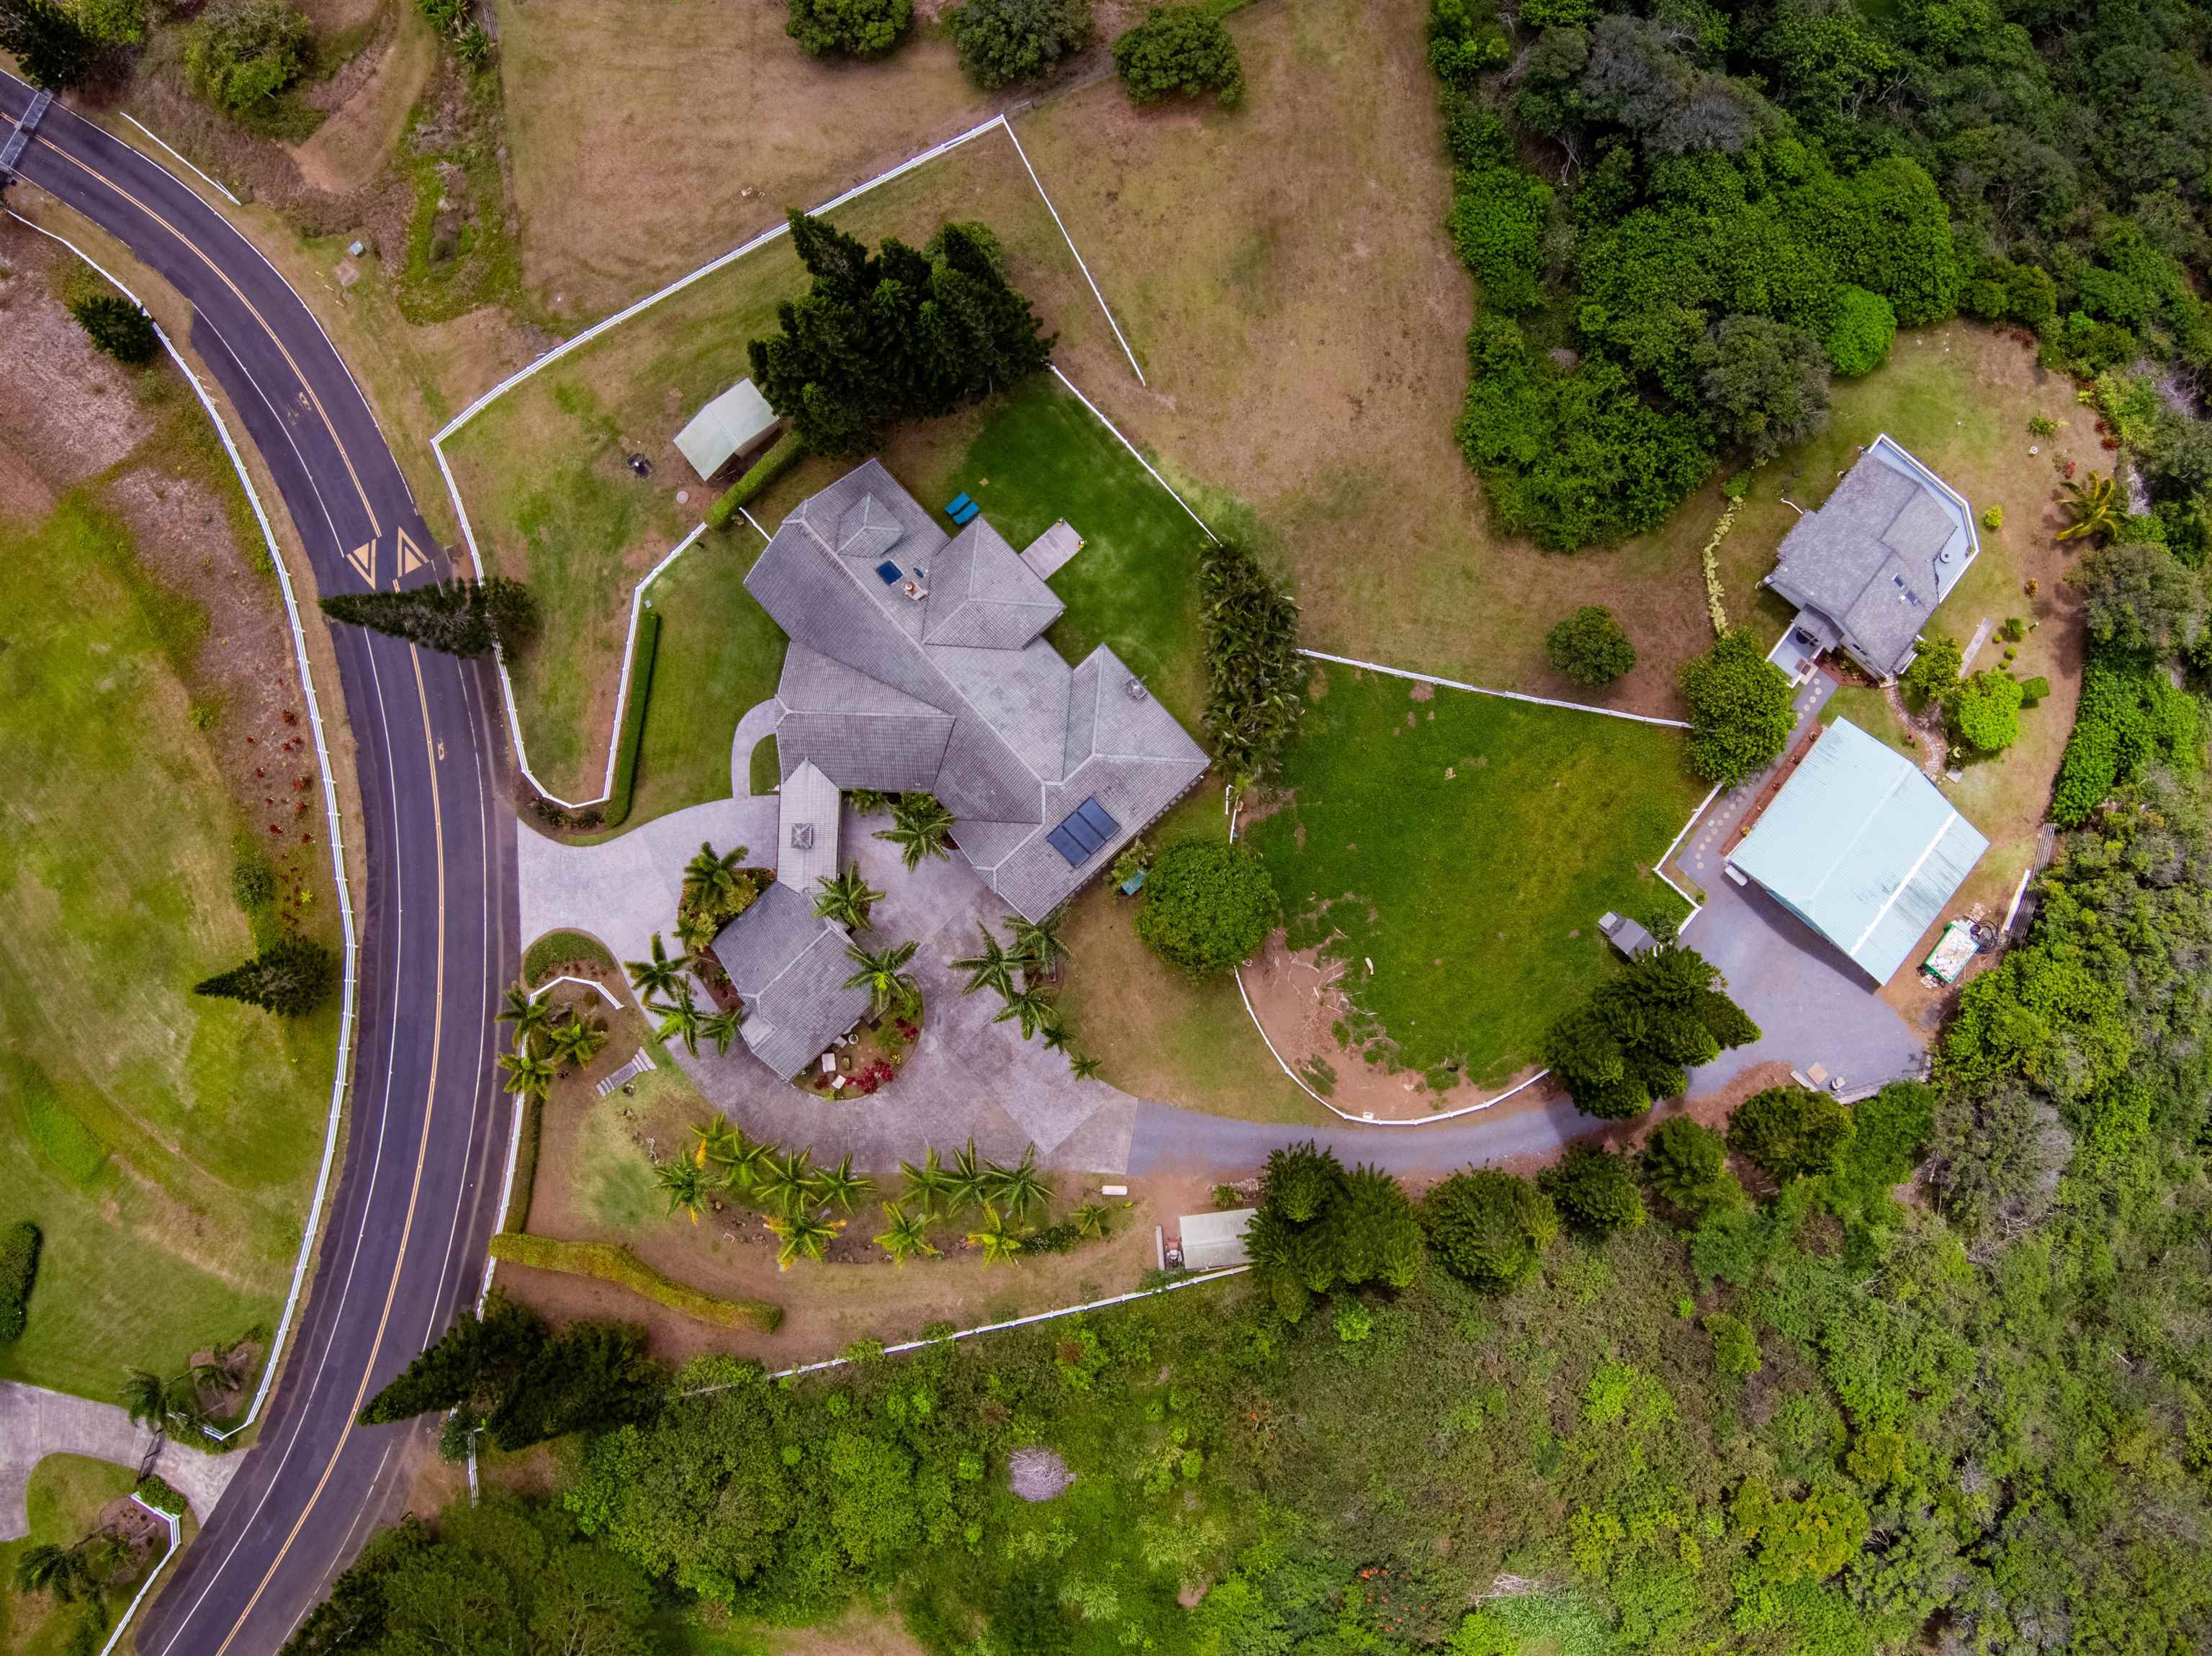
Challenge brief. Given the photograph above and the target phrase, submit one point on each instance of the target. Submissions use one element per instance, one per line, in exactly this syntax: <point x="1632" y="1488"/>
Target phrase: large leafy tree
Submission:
<point x="1207" y="906"/>
<point x="52" y="45"/>
<point x="1003" y="41"/>
<point x="1595" y="1191"/>
<point x="1636" y="1038"/>
<point x="1590" y="647"/>
<point x="1179" y="52"/>
<point x="1765" y="385"/>
<point x="1489" y="1228"/>
<point x="858" y="29"/>
<point x="898" y="334"/>
<point x="1790" y="1130"/>
<point x="1740" y="715"/>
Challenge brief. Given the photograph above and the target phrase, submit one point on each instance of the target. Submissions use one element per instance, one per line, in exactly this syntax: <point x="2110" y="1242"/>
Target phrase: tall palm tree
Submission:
<point x="680" y="1021"/>
<point x="1000" y="1242"/>
<point x="920" y="826"/>
<point x="1030" y="1006"/>
<point x="807" y="1234"/>
<point x="1082" y="1066"/>
<point x="48" y="1569"/>
<point x="904" y="1235"/>
<point x="891" y="987"/>
<point x="145" y="1396"/>
<point x="846" y="898"/>
<point x="2092" y="508"/>
<point x="788" y="1182"/>
<point x="657" y="976"/>
<point x="721" y="1028"/>
<point x="929" y="1187"/>
<point x="1039" y="940"/>
<point x="994" y="968"/>
<point x="713" y="1140"/>
<point x="525" y="1011"/>
<point x="968" y="1181"/>
<point x="684" y="1182"/>
<point x="709" y="875"/>
<point x="841" y="1188"/>
<point x="1020" y="1187"/>
<point x="578" y="1041"/>
<point x="527" y="1074"/>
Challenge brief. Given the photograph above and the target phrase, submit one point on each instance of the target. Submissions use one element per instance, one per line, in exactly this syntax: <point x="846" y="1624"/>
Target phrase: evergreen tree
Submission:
<point x="289" y="977"/>
<point x="1635" y="1039"/>
<point x="1318" y="1226"/>
<point x="1594" y="1190"/>
<point x="1686" y="1166"/>
<point x="119" y="327"/>
<point x="1489" y="1226"/>
<point x="1790" y="1130"/>
<point x="458" y="617"/>
<point x="53" y="49"/>
<point x="474" y="1362"/>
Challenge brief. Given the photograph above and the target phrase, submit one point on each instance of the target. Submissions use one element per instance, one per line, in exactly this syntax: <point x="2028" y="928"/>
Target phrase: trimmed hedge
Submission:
<point x="764" y="471"/>
<point x="633" y="727"/>
<point x="609" y="1261"/>
<point x="160" y="1494"/>
<point x="517" y="1216"/>
<point x="19" y="1269"/>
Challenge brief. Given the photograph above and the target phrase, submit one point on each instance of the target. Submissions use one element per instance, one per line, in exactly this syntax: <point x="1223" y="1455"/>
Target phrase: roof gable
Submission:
<point x="982" y="596"/>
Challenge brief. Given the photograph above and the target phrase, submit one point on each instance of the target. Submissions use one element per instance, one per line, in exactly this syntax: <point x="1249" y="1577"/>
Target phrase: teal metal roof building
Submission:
<point x="1862" y="847"/>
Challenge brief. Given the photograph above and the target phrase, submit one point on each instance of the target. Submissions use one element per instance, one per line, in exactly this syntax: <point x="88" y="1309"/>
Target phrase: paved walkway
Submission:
<point x="760" y="719"/>
<point x="1813" y="1006"/>
<point x="35" y="1423"/>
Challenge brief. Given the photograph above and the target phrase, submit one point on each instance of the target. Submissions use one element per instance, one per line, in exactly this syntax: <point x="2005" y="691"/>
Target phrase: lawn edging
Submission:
<point x="610" y="1262"/>
<point x="350" y="954"/>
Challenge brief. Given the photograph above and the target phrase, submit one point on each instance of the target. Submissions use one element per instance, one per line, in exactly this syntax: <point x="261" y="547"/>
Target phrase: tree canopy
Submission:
<point x="1740" y="714"/>
<point x="1183" y="52"/>
<point x="1637" y="1037"/>
<point x="1206" y="906"/>
<point x="457" y="617"/>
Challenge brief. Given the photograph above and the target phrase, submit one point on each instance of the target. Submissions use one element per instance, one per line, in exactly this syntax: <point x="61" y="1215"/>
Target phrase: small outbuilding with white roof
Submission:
<point x="732" y="422"/>
<point x="1211" y="1242"/>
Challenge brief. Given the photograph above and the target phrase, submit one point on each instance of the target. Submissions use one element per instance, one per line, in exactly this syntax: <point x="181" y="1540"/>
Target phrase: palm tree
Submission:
<point x="145" y="1396"/>
<point x="904" y="1235"/>
<point x="920" y="826"/>
<point x="685" y="1184"/>
<point x="891" y="987"/>
<point x="846" y="898"/>
<point x="528" y="1074"/>
<point x="49" y="1569"/>
<point x="657" y="976"/>
<point x="680" y="1021"/>
<point x="716" y="1140"/>
<point x="1082" y="1066"/>
<point x="708" y="877"/>
<point x="929" y="1187"/>
<point x="1020" y="1187"/>
<point x="1030" y="1006"/>
<point x="1090" y="1219"/>
<point x="994" y="968"/>
<point x="967" y="1181"/>
<point x="1000" y="1244"/>
<point x="721" y="1028"/>
<point x="2092" y="508"/>
<point x="578" y="1041"/>
<point x="806" y="1234"/>
<point x="841" y="1188"/>
<point x="788" y="1182"/>
<point x="1055" y="1034"/>
<point x="1039" y="940"/>
<point x="528" y="1014"/>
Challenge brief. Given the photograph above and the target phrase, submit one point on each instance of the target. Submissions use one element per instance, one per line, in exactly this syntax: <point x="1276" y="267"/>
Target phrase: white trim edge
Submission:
<point x="176" y="1543"/>
<point x="210" y="182"/>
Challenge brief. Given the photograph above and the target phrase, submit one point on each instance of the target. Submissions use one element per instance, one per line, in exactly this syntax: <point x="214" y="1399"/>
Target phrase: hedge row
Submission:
<point x="19" y="1269"/>
<point x="517" y="1216"/>
<point x="633" y="726"/>
<point x="609" y="1261"/>
<point x="765" y="470"/>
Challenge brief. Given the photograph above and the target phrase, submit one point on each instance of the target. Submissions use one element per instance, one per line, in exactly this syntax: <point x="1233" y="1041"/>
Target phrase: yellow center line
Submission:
<point x="415" y="1191"/>
<point x="374" y="524"/>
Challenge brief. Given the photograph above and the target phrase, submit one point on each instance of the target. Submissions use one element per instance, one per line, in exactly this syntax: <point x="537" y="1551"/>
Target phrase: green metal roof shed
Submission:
<point x="1862" y="847"/>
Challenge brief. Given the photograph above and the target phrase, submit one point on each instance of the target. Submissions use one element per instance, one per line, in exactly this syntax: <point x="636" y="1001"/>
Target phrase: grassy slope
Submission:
<point x="162" y="1142"/>
<point x="1476" y="894"/>
<point x="65" y="1496"/>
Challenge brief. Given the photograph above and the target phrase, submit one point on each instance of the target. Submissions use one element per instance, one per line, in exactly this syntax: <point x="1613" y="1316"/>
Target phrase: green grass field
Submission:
<point x="64" y="1498"/>
<point x="1467" y="845"/>
<point x="163" y="1143"/>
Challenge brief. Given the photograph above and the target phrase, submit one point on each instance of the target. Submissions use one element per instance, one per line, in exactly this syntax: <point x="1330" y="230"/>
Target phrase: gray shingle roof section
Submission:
<point x="982" y="596"/>
<point x="1877" y="559"/>
<point x="807" y="830"/>
<point x="789" y="968"/>
<point x="955" y="693"/>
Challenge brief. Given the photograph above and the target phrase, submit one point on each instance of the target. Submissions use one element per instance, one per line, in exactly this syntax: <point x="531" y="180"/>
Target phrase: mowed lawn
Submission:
<point x="1467" y="845"/>
<point x="163" y="1143"/>
<point x="65" y="1500"/>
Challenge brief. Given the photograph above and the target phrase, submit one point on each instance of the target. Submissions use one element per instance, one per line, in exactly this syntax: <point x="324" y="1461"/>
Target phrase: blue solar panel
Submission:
<point x="1083" y="832"/>
<point x="1101" y="823"/>
<point x="887" y="571"/>
<point x="1068" y="847"/>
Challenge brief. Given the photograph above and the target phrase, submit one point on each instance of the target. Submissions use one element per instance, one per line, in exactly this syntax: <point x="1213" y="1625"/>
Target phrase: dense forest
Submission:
<point x="1684" y="218"/>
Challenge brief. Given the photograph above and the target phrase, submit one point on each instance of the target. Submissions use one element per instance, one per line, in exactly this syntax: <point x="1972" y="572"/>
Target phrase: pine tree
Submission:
<point x="119" y="327"/>
<point x="458" y="617"/>
<point x="475" y="1362"/>
<point x="289" y="977"/>
<point x="52" y="48"/>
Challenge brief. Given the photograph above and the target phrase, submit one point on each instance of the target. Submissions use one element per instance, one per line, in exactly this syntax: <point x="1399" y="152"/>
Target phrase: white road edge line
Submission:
<point x="211" y="184"/>
<point x="176" y="1544"/>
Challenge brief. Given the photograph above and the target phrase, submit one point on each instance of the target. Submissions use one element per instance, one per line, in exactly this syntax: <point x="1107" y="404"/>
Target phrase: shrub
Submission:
<point x="19" y="1270"/>
<point x="1687" y="1167"/>
<point x="1002" y="41"/>
<point x="458" y="617"/>
<point x="2129" y="718"/>
<point x="632" y="735"/>
<point x="757" y="476"/>
<point x="1993" y="517"/>
<point x="1594" y="1190"/>
<point x="1590" y="647"/>
<point x="1736" y="1345"/>
<point x="1254" y="673"/>
<point x="1933" y="671"/>
<point x="1740" y="715"/>
<point x="1496" y="223"/>
<point x="1765" y="385"/>
<point x="1860" y="332"/>
<point x="117" y="327"/>
<point x="158" y="1493"/>
<point x="858" y="28"/>
<point x="1639" y="1035"/>
<point x="2033" y="690"/>
<point x="1984" y="712"/>
<point x="1489" y="1228"/>
<point x="1206" y="906"/>
<point x="291" y="978"/>
<point x="243" y="52"/>
<point x="1789" y="1131"/>
<point x="1179" y="52"/>
<point x="1889" y="1134"/>
<point x="1317" y="1227"/>
<point x="252" y="879"/>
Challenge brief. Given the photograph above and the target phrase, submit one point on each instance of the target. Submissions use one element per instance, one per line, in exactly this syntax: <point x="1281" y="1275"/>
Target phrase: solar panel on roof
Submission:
<point x="1067" y="846"/>
<point x="887" y="571"/>
<point x="1102" y="823"/>
<point x="1082" y="831"/>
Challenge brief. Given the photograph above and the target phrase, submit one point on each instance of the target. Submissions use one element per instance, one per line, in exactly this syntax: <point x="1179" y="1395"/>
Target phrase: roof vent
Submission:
<point x="1134" y="690"/>
<point x="802" y="836"/>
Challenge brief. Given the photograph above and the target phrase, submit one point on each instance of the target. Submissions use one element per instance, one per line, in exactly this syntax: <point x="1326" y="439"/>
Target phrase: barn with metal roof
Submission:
<point x="1862" y="847"/>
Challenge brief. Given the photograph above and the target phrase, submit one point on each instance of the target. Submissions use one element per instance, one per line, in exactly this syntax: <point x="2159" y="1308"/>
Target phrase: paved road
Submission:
<point x="425" y="1144"/>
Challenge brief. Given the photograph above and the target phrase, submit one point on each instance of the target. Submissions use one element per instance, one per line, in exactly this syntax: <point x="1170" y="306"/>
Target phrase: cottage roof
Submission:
<point x="788" y="965"/>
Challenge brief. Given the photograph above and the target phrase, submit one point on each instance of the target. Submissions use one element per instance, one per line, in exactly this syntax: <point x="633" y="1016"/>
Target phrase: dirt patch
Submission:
<point x="369" y="101"/>
<point x="70" y="412"/>
<point x="1037" y="1474"/>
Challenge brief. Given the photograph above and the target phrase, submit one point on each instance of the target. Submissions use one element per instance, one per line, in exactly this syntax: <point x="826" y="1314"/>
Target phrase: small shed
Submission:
<point x="726" y="426"/>
<point x="1629" y="938"/>
<point x="1211" y="1240"/>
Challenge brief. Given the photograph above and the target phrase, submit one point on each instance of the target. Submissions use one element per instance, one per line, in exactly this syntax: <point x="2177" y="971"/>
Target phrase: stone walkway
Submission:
<point x="35" y="1423"/>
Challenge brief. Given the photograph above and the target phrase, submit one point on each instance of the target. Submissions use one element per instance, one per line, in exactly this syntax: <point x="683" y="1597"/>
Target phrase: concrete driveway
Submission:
<point x="35" y="1423"/>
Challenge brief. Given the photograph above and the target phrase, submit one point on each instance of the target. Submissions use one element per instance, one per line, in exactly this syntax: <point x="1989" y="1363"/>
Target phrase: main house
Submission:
<point x="918" y="664"/>
<point x="1869" y="568"/>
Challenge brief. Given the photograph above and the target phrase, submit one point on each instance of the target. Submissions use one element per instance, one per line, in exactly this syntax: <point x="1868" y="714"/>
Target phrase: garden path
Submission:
<point x="35" y="1423"/>
<point x="760" y="719"/>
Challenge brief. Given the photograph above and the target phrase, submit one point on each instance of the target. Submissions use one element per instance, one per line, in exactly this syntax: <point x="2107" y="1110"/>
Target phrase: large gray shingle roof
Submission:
<point x="1877" y="559"/>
